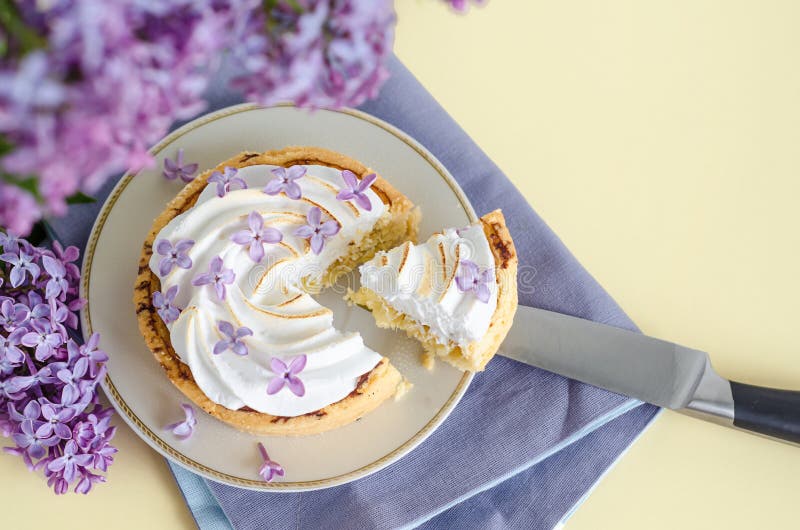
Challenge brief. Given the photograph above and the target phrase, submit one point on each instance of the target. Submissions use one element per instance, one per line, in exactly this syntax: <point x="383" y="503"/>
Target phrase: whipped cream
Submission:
<point x="267" y="297"/>
<point x="420" y="281"/>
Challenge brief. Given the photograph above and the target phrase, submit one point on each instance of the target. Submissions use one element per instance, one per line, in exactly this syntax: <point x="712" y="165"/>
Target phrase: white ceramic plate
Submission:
<point x="138" y="388"/>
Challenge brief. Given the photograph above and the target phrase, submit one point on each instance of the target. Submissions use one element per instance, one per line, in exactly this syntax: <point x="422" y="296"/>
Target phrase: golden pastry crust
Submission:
<point x="373" y="388"/>
<point x="477" y="353"/>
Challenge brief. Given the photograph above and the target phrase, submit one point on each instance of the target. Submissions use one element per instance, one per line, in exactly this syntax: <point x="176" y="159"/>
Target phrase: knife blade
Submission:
<point x="649" y="369"/>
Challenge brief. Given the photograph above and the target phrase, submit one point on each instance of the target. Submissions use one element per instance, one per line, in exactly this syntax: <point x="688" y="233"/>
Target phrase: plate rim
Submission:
<point x="157" y="442"/>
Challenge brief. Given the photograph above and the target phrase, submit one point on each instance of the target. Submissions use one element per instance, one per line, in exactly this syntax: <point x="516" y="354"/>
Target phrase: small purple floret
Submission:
<point x="286" y="375"/>
<point x="226" y="179"/>
<point x="471" y="279"/>
<point x="269" y="468"/>
<point x="184" y="429"/>
<point x="232" y="338"/>
<point x="257" y="236"/>
<point x="316" y="230"/>
<point x="284" y="181"/>
<point x="176" y="255"/>
<point x="174" y="169"/>
<point x="217" y="275"/>
<point x="356" y="189"/>
<point x="163" y="302"/>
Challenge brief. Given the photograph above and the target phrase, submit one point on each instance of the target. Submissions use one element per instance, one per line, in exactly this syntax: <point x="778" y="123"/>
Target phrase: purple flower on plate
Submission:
<point x="217" y="275"/>
<point x="88" y="479"/>
<point x="257" y="236"/>
<point x="177" y="169"/>
<point x="287" y="375"/>
<point x="163" y="302"/>
<point x="356" y="189"/>
<point x="22" y="264"/>
<point x="232" y="338"/>
<point x="32" y="441"/>
<point x="173" y="255"/>
<point x="184" y="429"/>
<point x="57" y="285"/>
<point x="43" y="338"/>
<point x="316" y="230"/>
<point x="471" y="279"/>
<point x="269" y="468"/>
<point x="13" y="314"/>
<point x="226" y="179"/>
<point x="284" y="181"/>
<point x="71" y="463"/>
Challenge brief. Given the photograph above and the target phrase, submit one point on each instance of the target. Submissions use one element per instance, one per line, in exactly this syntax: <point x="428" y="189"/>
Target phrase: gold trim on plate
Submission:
<point x="172" y="453"/>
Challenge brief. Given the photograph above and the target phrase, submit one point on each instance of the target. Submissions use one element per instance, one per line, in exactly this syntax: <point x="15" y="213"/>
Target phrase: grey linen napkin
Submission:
<point x="522" y="448"/>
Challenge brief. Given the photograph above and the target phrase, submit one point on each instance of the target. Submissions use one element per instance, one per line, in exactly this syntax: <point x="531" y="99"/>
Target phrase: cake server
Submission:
<point x="649" y="369"/>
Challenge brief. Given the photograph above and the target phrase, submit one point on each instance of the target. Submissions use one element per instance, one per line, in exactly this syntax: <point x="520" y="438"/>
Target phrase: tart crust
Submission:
<point x="398" y="225"/>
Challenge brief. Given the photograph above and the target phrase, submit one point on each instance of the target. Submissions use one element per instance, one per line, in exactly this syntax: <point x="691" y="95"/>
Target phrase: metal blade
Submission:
<point x="642" y="367"/>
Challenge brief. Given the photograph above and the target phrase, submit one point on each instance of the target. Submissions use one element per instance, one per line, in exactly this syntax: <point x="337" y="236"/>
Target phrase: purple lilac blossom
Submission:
<point x="226" y="179"/>
<point x="269" y="469"/>
<point x="232" y="338"/>
<point x="356" y="189"/>
<point x="173" y="255"/>
<point x="471" y="279"/>
<point x="164" y="305"/>
<point x="49" y="406"/>
<point x="317" y="231"/>
<point x="256" y="236"/>
<point x="284" y="181"/>
<point x="174" y="169"/>
<point x="217" y="276"/>
<point x="184" y="429"/>
<point x="286" y="375"/>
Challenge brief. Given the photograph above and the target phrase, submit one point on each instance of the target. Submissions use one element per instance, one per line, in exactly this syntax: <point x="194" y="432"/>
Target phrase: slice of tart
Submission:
<point x="456" y="293"/>
<point x="223" y="293"/>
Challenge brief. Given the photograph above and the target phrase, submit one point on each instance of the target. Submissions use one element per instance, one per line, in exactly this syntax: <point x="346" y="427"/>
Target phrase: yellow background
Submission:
<point x="659" y="140"/>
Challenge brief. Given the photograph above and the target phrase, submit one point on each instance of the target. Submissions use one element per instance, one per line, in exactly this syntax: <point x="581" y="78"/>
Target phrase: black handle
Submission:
<point x="767" y="411"/>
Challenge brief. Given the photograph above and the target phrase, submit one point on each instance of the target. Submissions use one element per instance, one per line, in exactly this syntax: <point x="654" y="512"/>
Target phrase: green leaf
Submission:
<point x="80" y="198"/>
<point x="5" y="146"/>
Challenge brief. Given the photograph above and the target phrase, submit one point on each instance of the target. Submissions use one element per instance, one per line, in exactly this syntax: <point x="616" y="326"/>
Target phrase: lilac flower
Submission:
<point x="71" y="462"/>
<point x="34" y="443"/>
<point x="173" y="255"/>
<point x="54" y="383"/>
<point x="177" y="169"/>
<point x="232" y="338"/>
<point x="43" y="338"/>
<point x="269" y="468"/>
<point x="257" y="236"/>
<point x="328" y="54"/>
<point x="88" y="479"/>
<point x="18" y="209"/>
<point x="287" y="375"/>
<point x="471" y="279"/>
<point x="284" y="181"/>
<point x="164" y="305"/>
<point x="57" y="284"/>
<point x="217" y="275"/>
<point x="12" y="314"/>
<point x="226" y="179"/>
<point x="183" y="430"/>
<point x="356" y="190"/>
<point x="9" y="346"/>
<point x="462" y="5"/>
<point x="88" y="351"/>
<point x="22" y="264"/>
<point x="316" y="230"/>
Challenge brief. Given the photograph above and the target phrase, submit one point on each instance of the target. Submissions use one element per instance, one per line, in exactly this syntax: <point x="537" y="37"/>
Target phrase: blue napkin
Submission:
<point x="522" y="448"/>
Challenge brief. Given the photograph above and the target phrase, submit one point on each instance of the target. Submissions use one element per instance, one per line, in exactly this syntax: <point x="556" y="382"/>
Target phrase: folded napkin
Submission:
<point x="522" y="448"/>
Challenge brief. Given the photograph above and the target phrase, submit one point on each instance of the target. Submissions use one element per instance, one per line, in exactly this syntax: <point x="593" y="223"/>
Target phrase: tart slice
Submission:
<point x="456" y="293"/>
